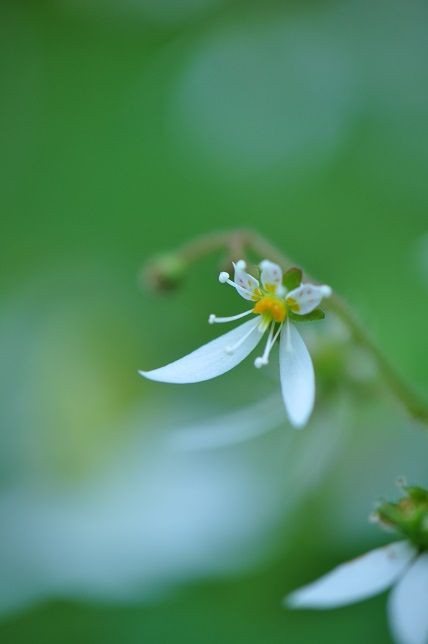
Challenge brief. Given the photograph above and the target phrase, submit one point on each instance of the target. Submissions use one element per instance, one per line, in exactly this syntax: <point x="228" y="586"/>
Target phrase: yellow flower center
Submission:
<point x="271" y="307"/>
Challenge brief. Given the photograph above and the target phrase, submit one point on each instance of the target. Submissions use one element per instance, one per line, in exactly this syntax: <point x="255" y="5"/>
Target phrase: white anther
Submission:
<point x="259" y="362"/>
<point x="223" y="277"/>
<point x="211" y="319"/>
<point x="326" y="290"/>
<point x="241" y="265"/>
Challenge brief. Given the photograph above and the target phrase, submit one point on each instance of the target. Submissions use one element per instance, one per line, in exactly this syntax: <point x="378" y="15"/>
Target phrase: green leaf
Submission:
<point x="292" y="278"/>
<point x="316" y="314"/>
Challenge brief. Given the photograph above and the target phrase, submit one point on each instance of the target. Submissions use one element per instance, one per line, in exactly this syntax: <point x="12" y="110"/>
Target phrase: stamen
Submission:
<point x="224" y="278"/>
<point x="260" y="361"/>
<point x="213" y="319"/>
<point x="232" y="348"/>
<point x="264" y="359"/>
<point x="326" y="290"/>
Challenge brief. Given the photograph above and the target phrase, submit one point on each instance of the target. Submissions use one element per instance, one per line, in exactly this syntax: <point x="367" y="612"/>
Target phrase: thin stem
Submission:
<point x="238" y="242"/>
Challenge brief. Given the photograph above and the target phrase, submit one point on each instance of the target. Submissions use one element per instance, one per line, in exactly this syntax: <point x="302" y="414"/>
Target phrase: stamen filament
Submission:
<point x="232" y="348"/>
<point x="213" y="319"/>
<point x="241" y="288"/>
<point x="224" y="278"/>
<point x="264" y="359"/>
<point x="275" y="337"/>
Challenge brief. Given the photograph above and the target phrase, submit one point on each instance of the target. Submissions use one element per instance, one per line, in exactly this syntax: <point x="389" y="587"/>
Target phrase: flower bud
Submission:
<point x="164" y="273"/>
<point x="408" y="516"/>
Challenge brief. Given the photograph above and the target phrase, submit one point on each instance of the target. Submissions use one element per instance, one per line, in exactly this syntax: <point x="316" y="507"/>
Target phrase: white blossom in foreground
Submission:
<point x="278" y="301"/>
<point x="402" y="565"/>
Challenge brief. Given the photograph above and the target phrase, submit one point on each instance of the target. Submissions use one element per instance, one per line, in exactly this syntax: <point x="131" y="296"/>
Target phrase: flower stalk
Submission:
<point x="242" y="242"/>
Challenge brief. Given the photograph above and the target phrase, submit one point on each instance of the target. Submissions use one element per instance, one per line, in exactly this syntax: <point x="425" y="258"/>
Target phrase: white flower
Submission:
<point x="273" y="307"/>
<point x="400" y="565"/>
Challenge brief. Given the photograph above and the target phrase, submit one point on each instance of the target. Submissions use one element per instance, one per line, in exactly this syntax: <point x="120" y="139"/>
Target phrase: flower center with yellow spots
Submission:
<point x="271" y="308"/>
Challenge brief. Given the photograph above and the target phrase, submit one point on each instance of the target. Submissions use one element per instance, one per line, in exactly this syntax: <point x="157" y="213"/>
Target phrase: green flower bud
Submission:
<point x="408" y="516"/>
<point x="165" y="272"/>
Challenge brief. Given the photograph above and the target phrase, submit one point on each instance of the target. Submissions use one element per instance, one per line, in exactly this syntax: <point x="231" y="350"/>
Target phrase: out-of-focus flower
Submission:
<point x="283" y="93"/>
<point x="278" y="301"/>
<point x="168" y="509"/>
<point x="402" y="565"/>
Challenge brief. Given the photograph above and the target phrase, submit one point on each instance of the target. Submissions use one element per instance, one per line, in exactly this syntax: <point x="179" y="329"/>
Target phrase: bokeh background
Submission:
<point x="132" y="511"/>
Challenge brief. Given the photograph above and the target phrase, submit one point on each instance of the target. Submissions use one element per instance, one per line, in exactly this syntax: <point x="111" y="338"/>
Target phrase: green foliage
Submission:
<point x="292" y="278"/>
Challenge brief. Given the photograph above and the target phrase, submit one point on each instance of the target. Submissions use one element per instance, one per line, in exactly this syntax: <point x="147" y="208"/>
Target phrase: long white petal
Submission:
<point x="297" y="376"/>
<point x="210" y="360"/>
<point x="360" y="578"/>
<point x="241" y="424"/>
<point x="307" y="297"/>
<point x="408" y="605"/>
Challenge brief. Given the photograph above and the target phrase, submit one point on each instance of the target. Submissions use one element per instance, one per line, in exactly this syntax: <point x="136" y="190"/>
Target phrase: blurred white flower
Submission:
<point x="402" y="565"/>
<point x="274" y="89"/>
<point x="275" y="306"/>
<point x="163" y="513"/>
<point x="398" y="565"/>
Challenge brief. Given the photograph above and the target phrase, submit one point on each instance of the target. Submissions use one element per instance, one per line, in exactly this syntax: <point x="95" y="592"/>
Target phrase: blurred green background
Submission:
<point x="127" y="128"/>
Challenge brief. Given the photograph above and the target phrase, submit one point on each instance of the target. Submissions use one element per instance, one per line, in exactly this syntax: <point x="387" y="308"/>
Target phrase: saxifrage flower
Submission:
<point x="278" y="301"/>
<point x="402" y="565"/>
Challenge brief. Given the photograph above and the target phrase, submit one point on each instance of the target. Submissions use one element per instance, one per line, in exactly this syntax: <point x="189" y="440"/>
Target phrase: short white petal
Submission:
<point x="307" y="297"/>
<point x="246" y="284"/>
<point x="297" y="376"/>
<point x="271" y="273"/>
<point x="353" y="581"/>
<point x="408" y="605"/>
<point x="210" y="360"/>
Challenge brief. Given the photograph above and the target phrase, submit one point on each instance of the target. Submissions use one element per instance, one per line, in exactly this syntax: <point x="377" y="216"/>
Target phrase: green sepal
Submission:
<point x="417" y="494"/>
<point x="292" y="278"/>
<point x="316" y="314"/>
<point x="408" y="516"/>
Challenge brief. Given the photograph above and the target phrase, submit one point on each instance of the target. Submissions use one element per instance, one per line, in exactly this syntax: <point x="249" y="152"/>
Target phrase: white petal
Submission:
<point x="245" y="283"/>
<point x="297" y="376"/>
<point x="271" y="274"/>
<point x="210" y="360"/>
<point x="306" y="297"/>
<point x="234" y="427"/>
<point x="360" y="578"/>
<point x="408" y="605"/>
